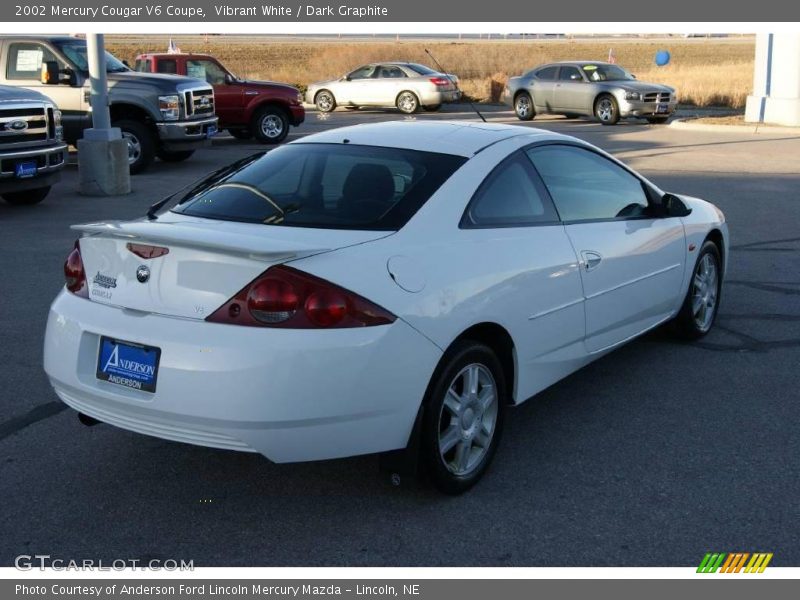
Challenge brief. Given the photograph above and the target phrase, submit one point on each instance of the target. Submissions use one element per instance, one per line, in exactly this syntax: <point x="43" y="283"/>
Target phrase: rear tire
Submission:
<point x="606" y="109"/>
<point x="26" y="197"/>
<point x="699" y="310"/>
<point x="407" y="103"/>
<point x="270" y="125"/>
<point x="174" y="155"/>
<point x="141" y="144"/>
<point x="523" y="107"/>
<point x="325" y="101"/>
<point x="463" y="416"/>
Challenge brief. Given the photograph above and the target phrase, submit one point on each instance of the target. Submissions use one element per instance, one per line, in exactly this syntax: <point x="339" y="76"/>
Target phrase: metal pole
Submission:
<point x="96" y="56"/>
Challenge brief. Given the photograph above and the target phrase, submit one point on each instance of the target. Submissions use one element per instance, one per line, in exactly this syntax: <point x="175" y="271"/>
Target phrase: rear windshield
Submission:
<point x="327" y="186"/>
<point x="422" y="69"/>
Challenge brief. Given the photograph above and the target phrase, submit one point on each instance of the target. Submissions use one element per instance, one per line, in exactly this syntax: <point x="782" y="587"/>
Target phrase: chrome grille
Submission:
<point x="199" y="102"/>
<point x="24" y="123"/>
<point x="657" y="97"/>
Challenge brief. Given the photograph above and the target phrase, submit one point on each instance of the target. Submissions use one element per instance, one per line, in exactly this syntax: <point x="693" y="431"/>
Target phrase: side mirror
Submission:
<point x="228" y="79"/>
<point x="51" y="74"/>
<point x="632" y="75"/>
<point x="674" y="206"/>
<point x="126" y="63"/>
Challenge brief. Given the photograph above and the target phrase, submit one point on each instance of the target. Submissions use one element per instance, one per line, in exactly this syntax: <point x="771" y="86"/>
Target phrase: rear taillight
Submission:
<point x="441" y="81"/>
<point x="288" y="298"/>
<point x="74" y="274"/>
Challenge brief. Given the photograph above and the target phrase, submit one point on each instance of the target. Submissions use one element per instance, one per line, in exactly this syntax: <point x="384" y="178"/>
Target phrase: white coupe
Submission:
<point x="387" y="287"/>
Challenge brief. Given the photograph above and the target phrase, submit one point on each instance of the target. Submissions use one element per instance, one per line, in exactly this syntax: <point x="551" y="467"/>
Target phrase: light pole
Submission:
<point x="102" y="153"/>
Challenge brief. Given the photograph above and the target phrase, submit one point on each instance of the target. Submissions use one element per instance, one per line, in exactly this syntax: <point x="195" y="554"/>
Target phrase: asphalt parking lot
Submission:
<point x="654" y="455"/>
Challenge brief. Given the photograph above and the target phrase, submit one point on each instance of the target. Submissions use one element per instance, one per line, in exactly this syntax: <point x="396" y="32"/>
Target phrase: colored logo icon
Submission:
<point x="734" y="562"/>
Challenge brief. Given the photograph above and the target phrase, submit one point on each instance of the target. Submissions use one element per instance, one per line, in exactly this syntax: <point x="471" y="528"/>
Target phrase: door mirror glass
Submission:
<point x="674" y="206"/>
<point x="229" y="79"/>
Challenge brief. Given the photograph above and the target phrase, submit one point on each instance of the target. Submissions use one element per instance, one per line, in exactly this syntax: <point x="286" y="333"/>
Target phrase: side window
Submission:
<point x="25" y="60"/>
<point x="510" y="196"/>
<point x="167" y="65"/>
<point x="548" y="73"/>
<point x="205" y="69"/>
<point x="390" y="72"/>
<point x="587" y="186"/>
<point x="365" y="72"/>
<point x="570" y="74"/>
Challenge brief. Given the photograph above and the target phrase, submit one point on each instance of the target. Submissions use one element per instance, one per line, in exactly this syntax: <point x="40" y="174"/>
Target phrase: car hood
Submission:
<point x="326" y="83"/>
<point x="156" y="79"/>
<point x="268" y="85"/>
<point x="639" y="86"/>
<point x="14" y="94"/>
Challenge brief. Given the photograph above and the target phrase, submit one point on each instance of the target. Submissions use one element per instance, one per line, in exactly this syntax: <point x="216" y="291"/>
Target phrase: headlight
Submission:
<point x="300" y="97"/>
<point x="169" y="107"/>
<point x="633" y="96"/>
<point x="59" y="130"/>
<point x="56" y="117"/>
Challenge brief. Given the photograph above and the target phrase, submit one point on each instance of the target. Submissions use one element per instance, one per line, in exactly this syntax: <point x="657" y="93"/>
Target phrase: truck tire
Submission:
<point x="270" y="125"/>
<point x="141" y="144"/>
<point x="174" y="155"/>
<point x="26" y="197"/>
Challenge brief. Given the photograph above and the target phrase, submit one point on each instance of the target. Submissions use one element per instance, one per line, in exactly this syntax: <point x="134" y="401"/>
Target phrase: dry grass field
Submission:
<point x="706" y="72"/>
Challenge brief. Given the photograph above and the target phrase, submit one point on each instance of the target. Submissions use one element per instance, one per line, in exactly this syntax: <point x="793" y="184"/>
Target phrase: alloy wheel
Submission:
<point x="705" y="287"/>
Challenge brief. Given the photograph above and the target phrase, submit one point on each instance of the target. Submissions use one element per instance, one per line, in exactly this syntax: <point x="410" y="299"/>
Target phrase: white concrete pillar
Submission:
<point x="776" y="80"/>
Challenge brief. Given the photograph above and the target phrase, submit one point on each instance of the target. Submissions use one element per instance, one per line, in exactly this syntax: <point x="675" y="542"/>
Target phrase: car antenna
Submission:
<point x="446" y="74"/>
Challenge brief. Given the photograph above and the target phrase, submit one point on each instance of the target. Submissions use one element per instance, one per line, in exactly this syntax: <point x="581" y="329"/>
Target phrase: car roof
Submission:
<point x="461" y="138"/>
<point x="575" y="63"/>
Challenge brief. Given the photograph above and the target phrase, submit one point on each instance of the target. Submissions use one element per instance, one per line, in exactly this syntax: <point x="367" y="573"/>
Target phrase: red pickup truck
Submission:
<point x="261" y="109"/>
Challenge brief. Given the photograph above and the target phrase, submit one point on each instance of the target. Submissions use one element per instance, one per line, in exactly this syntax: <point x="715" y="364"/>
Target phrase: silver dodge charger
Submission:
<point x="587" y="88"/>
<point x="407" y="86"/>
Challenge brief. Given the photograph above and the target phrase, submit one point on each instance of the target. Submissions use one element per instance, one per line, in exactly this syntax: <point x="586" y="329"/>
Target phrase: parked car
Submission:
<point x="263" y="109"/>
<point x="587" y="88"/>
<point x="389" y="286"/>
<point x="159" y="115"/>
<point x="32" y="151"/>
<point x="407" y="86"/>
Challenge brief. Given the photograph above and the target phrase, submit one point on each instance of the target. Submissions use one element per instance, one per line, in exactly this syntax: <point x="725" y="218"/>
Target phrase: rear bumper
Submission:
<point x="50" y="160"/>
<point x="436" y="97"/>
<point x="186" y="135"/>
<point x="291" y="395"/>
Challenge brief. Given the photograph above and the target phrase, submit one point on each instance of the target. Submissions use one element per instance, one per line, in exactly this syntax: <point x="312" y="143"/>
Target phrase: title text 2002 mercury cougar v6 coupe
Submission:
<point x="377" y="288"/>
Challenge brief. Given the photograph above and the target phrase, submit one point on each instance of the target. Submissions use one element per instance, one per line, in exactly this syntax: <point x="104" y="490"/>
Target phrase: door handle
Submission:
<point x="591" y="260"/>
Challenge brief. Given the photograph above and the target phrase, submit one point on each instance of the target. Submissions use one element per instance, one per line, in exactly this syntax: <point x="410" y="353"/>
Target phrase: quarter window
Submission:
<point x="509" y="197"/>
<point x="587" y="186"/>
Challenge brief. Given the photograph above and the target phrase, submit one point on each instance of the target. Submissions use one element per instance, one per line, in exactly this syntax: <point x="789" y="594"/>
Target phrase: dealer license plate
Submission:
<point x="128" y="364"/>
<point x="25" y="169"/>
<point x="662" y="108"/>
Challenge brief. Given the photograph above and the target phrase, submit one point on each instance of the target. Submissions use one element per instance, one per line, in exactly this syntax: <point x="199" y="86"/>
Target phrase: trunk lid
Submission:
<point x="207" y="262"/>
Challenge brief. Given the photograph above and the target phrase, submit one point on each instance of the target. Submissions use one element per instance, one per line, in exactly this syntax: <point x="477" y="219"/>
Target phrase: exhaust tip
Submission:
<point x="87" y="420"/>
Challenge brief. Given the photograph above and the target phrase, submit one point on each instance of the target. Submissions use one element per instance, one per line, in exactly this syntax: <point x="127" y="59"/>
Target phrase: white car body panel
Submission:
<point x="296" y="395"/>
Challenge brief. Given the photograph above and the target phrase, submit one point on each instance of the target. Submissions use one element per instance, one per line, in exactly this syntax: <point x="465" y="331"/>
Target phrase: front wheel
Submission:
<point x="174" y="155"/>
<point x="463" y="417"/>
<point x="699" y="310"/>
<point x="523" y="107"/>
<point x="606" y="110"/>
<point x="407" y="103"/>
<point x="141" y="144"/>
<point x="270" y="125"/>
<point x="27" y="197"/>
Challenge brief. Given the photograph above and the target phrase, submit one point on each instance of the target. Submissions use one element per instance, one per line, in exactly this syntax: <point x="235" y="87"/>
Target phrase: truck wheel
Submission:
<point x="270" y="125"/>
<point x="141" y="144"/>
<point x="174" y="155"/>
<point x="241" y="134"/>
<point x="27" y="197"/>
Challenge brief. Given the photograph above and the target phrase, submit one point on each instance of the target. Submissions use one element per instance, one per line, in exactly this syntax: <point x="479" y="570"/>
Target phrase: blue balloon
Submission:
<point x="662" y="57"/>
